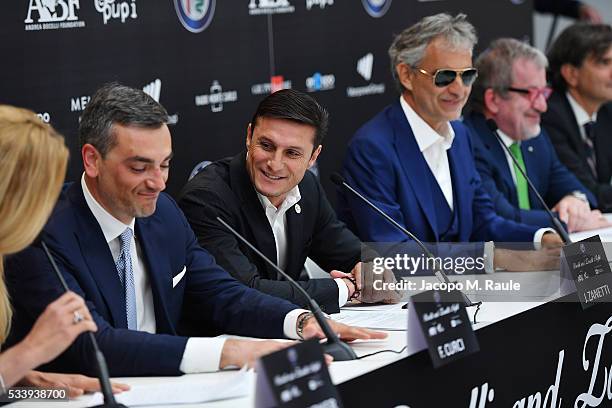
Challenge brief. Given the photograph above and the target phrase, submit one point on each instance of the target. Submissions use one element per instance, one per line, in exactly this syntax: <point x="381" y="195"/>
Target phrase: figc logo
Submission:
<point x="195" y="15"/>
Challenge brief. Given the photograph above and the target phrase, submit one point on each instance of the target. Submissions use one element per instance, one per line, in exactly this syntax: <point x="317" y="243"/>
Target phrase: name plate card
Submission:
<point x="445" y="326"/>
<point x="589" y="267"/>
<point x="295" y="377"/>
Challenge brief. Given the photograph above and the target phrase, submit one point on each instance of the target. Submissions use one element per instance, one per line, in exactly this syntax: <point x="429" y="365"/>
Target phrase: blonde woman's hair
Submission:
<point x="33" y="159"/>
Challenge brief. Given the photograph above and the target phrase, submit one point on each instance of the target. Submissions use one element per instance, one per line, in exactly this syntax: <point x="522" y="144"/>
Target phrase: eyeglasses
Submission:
<point x="532" y="93"/>
<point x="445" y="77"/>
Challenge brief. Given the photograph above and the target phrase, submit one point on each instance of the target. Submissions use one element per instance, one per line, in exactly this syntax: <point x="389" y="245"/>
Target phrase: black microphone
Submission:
<point x="556" y="223"/>
<point x="335" y="347"/>
<point x="443" y="277"/>
<point x="103" y="377"/>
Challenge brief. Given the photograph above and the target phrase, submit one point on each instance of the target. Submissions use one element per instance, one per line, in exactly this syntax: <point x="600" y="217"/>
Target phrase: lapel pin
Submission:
<point x="298" y="209"/>
<point x="530" y="149"/>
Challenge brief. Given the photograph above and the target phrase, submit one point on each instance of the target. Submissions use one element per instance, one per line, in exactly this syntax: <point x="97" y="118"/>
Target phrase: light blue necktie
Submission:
<point x="126" y="276"/>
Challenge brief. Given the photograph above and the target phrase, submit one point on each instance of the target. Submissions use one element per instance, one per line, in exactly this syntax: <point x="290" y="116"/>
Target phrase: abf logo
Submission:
<point x="195" y="15"/>
<point x="376" y="8"/>
<point x="52" y="14"/>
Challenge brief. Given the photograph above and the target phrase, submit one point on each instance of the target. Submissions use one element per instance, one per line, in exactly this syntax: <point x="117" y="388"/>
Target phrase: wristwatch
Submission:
<point x="580" y="195"/>
<point x="301" y="322"/>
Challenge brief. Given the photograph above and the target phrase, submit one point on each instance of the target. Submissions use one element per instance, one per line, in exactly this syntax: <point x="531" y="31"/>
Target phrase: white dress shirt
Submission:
<point x="434" y="148"/>
<point x="201" y="353"/>
<point x="582" y="117"/>
<point x="277" y="217"/>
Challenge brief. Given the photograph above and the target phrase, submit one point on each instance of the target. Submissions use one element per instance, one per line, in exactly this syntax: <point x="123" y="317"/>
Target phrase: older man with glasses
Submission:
<point x="512" y="91"/>
<point x="414" y="158"/>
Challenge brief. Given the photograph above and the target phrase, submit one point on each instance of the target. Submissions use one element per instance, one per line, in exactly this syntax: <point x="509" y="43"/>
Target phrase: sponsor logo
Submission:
<point x="276" y="83"/>
<point x="195" y="15"/>
<point x="258" y="7"/>
<point x="216" y="98"/>
<point x="376" y="8"/>
<point x="113" y="9"/>
<point x="320" y="3"/>
<point x="44" y="116"/>
<point x="79" y="103"/>
<point x="365" y="66"/>
<point x="153" y="89"/>
<point x="320" y="82"/>
<point x="52" y="15"/>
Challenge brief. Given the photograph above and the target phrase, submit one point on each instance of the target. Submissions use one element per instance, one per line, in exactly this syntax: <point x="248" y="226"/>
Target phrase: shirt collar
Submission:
<point x="293" y="196"/>
<point x="582" y="117"/>
<point x="508" y="141"/>
<point x="111" y="227"/>
<point x="424" y="134"/>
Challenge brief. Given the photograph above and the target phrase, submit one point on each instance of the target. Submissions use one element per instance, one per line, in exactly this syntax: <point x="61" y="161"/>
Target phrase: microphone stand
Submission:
<point x="335" y="347"/>
<point x="442" y="277"/>
<point x="555" y="221"/>
<point x="103" y="377"/>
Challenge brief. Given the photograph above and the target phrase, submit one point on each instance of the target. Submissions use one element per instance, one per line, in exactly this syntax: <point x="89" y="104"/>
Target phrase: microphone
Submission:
<point x="335" y="347"/>
<point x="443" y="277"/>
<point x="556" y="223"/>
<point x="103" y="377"/>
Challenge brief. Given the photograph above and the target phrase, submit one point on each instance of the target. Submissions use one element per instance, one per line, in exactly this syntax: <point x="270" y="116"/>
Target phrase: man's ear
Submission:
<point x="405" y="75"/>
<point x="91" y="160"/>
<point x="249" y="135"/>
<point x="314" y="156"/>
<point x="569" y="74"/>
<point x="491" y="101"/>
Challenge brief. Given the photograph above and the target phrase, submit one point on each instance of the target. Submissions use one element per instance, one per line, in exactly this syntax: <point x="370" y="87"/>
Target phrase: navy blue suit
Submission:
<point x="168" y="245"/>
<point x="549" y="176"/>
<point x="385" y="164"/>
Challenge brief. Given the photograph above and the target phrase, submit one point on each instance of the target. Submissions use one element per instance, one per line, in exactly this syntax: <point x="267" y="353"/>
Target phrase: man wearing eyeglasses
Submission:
<point x="511" y="89"/>
<point x="579" y="118"/>
<point x="414" y="158"/>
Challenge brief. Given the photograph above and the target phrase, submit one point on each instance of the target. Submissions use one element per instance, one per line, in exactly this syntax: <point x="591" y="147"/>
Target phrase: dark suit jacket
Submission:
<point x="551" y="178"/>
<point x="168" y="245"/>
<point x="224" y="189"/>
<point x="560" y="123"/>
<point x="385" y="164"/>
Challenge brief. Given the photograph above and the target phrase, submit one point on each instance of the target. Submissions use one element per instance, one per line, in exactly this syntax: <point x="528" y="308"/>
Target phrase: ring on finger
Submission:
<point x="77" y="317"/>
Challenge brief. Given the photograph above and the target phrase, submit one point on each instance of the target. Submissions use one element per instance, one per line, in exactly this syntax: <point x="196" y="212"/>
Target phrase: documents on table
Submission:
<point x="203" y="389"/>
<point x="396" y="319"/>
<point x="373" y="307"/>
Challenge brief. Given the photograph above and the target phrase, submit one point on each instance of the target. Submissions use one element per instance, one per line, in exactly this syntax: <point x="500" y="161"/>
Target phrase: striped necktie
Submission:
<point x="589" y="146"/>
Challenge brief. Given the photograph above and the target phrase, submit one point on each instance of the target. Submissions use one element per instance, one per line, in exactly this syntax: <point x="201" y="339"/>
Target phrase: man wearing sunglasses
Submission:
<point x="511" y="89"/>
<point x="414" y="160"/>
<point x="579" y="119"/>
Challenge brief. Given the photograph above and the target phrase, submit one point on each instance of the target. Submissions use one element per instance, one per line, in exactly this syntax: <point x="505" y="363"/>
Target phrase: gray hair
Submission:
<point x="495" y="68"/>
<point x="113" y="104"/>
<point x="409" y="46"/>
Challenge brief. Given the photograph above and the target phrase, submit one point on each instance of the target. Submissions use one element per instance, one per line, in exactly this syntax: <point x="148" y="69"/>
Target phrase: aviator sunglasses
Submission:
<point x="445" y="77"/>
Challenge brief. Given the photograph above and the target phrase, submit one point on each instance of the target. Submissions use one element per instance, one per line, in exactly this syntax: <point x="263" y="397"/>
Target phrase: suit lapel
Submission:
<point x="160" y="276"/>
<point x="572" y="125"/>
<point x="98" y="257"/>
<point x="414" y="164"/>
<point x="462" y="206"/>
<point x="254" y="213"/>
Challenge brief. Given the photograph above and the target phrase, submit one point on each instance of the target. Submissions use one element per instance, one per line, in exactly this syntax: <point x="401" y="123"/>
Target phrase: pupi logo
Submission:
<point x="320" y="3"/>
<point x="115" y="10"/>
<point x="195" y="15"/>
<point x="376" y="8"/>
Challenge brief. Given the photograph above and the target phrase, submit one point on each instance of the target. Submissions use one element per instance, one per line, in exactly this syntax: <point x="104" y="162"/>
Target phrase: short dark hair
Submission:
<point x="574" y="45"/>
<point x="296" y="106"/>
<point x="115" y="103"/>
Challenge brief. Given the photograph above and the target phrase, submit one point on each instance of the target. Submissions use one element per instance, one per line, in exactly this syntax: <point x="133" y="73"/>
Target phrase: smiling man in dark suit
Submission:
<point x="268" y="195"/>
<point x="127" y="249"/>
<point x="511" y="89"/>
<point x="579" y="117"/>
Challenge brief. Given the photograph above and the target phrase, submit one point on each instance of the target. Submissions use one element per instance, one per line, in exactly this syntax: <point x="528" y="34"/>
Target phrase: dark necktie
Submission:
<point x="589" y="146"/>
